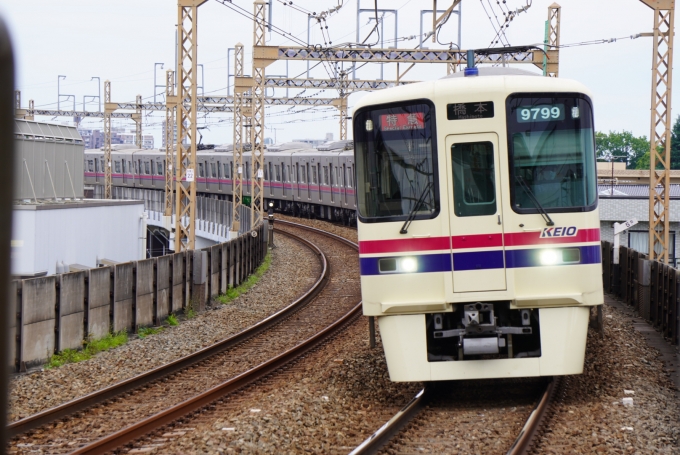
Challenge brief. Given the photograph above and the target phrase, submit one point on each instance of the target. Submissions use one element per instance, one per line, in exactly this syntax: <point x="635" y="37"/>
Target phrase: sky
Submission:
<point x="123" y="40"/>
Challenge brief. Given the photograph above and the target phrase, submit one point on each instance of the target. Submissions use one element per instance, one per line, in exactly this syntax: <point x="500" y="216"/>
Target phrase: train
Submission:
<point x="298" y="179"/>
<point x="478" y="225"/>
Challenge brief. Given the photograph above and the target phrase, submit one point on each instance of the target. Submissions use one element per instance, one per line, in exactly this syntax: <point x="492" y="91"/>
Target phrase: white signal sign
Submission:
<point x="190" y="175"/>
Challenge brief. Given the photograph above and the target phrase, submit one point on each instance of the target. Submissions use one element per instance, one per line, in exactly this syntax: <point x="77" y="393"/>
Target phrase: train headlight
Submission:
<point x="549" y="257"/>
<point x="408" y="265"/>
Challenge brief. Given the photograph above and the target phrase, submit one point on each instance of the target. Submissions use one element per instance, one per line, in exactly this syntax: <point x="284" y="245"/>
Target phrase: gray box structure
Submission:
<point x="99" y="303"/>
<point x="49" y="161"/>
<point x="71" y="310"/>
<point x="163" y="287"/>
<point x="14" y="315"/>
<point x="123" y="297"/>
<point x="38" y="319"/>
<point x="224" y="267"/>
<point x="144" y="299"/>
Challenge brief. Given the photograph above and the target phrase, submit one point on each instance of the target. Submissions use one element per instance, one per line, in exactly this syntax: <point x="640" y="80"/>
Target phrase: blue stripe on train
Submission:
<point x="480" y="260"/>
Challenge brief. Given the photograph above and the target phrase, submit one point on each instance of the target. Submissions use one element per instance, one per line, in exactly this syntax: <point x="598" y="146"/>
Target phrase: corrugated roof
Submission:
<point x="46" y="131"/>
<point x="632" y="191"/>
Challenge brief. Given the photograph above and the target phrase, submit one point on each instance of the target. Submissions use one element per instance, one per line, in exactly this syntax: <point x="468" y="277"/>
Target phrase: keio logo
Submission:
<point x="562" y="231"/>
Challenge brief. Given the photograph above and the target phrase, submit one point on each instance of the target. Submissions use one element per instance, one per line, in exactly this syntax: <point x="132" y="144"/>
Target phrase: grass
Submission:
<point x="90" y="348"/>
<point x="144" y="332"/>
<point x="234" y="292"/>
<point x="189" y="311"/>
<point x="172" y="320"/>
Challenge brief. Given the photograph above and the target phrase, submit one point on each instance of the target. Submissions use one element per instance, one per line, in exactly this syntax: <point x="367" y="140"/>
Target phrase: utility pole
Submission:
<point x="108" y="110"/>
<point x="660" y="135"/>
<point x="170" y="110"/>
<point x="257" y="131"/>
<point x="185" y="166"/>
<point x="241" y="85"/>
<point x="138" y="122"/>
<point x="552" y="67"/>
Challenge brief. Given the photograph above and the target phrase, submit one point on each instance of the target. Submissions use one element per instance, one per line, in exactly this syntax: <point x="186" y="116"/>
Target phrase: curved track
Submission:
<point x="157" y="402"/>
<point x="475" y="418"/>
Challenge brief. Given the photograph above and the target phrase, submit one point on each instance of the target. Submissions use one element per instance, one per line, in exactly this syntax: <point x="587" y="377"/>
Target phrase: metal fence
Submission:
<point x="651" y="287"/>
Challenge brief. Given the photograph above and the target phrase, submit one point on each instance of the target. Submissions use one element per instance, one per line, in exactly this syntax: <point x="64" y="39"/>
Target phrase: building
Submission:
<point x="94" y="139"/>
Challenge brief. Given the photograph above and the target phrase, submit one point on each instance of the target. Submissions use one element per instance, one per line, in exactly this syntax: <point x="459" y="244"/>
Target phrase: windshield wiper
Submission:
<point x="412" y="213"/>
<point x="544" y="214"/>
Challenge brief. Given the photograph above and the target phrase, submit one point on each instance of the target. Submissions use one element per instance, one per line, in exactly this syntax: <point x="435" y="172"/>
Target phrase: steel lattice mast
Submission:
<point x="170" y="109"/>
<point x="138" y="122"/>
<point x="257" y="132"/>
<point x="237" y="177"/>
<point x="107" y="139"/>
<point x="552" y="69"/>
<point x="187" y="87"/>
<point x="660" y="135"/>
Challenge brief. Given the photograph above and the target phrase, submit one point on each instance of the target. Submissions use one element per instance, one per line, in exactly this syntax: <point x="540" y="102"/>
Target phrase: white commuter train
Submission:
<point x="478" y="225"/>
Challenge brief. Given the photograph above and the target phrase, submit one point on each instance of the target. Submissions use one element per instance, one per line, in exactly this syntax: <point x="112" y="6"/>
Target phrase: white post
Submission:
<point x="618" y="229"/>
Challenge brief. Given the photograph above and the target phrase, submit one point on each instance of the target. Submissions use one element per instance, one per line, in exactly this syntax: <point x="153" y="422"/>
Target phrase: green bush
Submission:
<point x="172" y="320"/>
<point x="233" y="292"/>
<point x="144" y="332"/>
<point x="90" y="348"/>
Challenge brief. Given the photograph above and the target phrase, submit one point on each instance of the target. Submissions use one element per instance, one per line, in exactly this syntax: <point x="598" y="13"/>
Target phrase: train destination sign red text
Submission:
<point x="399" y="122"/>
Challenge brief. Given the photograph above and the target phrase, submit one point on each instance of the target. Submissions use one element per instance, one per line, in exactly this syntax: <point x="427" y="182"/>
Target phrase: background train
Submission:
<point x="478" y="224"/>
<point x="297" y="178"/>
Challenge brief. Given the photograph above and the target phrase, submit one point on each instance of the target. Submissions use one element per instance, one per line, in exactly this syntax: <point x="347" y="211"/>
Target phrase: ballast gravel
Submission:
<point x="293" y="270"/>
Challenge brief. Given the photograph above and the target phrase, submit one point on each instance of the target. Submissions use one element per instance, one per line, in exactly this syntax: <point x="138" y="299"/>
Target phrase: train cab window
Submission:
<point x="201" y="172"/>
<point x="396" y="158"/>
<point x="117" y="166"/>
<point x="147" y="168"/>
<point x="551" y="147"/>
<point x="474" y="186"/>
<point x="278" y="172"/>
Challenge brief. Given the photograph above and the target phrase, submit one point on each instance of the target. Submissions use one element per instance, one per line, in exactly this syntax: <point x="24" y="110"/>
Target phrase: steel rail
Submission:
<point x="393" y="426"/>
<point x="526" y="438"/>
<point x="143" y="427"/>
<point x="36" y="420"/>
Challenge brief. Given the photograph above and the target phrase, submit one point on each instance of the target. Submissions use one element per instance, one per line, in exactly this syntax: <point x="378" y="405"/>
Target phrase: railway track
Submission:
<point x="466" y="417"/>
<point x="114" y="416"/>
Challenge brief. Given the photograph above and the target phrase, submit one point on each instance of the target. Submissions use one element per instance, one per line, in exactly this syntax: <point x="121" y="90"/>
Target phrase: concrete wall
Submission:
<point x="71" y="310"/>
<point x="127" y="296"/>
<point x="99" y="302"/>
<point x="76" y="233"/>
<point x="38" y="319"/>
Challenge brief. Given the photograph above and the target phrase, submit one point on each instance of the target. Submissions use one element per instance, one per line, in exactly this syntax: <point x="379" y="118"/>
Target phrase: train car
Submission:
<point x="478" y="225"/>
<point x="297" y="178"/>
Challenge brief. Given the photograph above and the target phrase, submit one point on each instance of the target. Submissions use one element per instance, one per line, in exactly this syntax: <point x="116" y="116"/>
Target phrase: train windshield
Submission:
<point x="395" y="162"/>
<point x="551" y="145"/>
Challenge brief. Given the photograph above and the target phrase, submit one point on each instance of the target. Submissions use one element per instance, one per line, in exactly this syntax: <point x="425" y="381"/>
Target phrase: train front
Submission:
<point x="478" y="226"/>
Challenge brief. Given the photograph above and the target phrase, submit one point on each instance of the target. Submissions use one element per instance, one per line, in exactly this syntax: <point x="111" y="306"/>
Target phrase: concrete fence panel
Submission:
<point x="14" y="320"/>
<point x="163" y="287"/>
<point x="71" y="310"/>
<point x="145" y="293"/>
<point x="123" y="297"/>
<point x="38" y="297"/>
<point x="215" y="270"/>
<point x="224" y="267"/>
<point x="178" y="295"/>
<point x="99" y="303"/>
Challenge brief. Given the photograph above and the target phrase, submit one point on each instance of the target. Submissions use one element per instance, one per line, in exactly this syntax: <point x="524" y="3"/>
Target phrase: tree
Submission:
<point x="625" y="146"/>
<point x="643" y="161"/>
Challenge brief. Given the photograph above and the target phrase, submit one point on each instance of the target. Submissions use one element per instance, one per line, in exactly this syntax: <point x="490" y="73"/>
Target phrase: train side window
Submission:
<point x="139" y="162"/>
<point x="96" y="165"/>
<point x="285" y="170"/>
<point x="147" y="168"/>
<point x="302" y="175"/>
<point x="309" y="175"/>
<point x="247" y="171"/>
<point x="117" y="165"/>
<point x="161" y="166"/>
<point x="219" y="170"/>
<point x="271" y="174"/>
<point x="325" y="175"/>
<point x="101" y="162"/>
<point x="474" y="185"/>
<point x="314" y="177"/>
<point x="129" y="167"/>
<point x="212" y="170"/>
<point x="90" y="165"/>
<point x="231" y="169"/>
<point x="340" y="182"/>
<point x="201" y="172"/>
<point x="278" y="172"/>
<point x="330" y="173"/>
